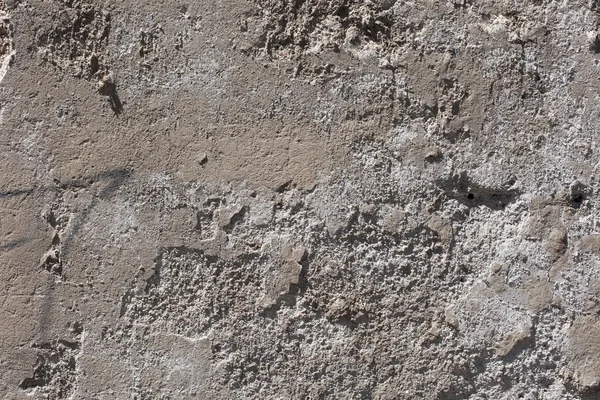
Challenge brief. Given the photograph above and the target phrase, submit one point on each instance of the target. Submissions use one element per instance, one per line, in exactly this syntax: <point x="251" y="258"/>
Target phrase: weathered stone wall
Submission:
<point x="300" y="199"/>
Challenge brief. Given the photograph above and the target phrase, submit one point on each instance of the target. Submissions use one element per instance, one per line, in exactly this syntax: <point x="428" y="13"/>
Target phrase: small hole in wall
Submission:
<point x="455" y="108"/>
<point x="94" y="65"/>
<point x="576" y="201"/>
<point x="470" y="196"/>
<point x="343" y="12"/>
<point x="595" y="45"/>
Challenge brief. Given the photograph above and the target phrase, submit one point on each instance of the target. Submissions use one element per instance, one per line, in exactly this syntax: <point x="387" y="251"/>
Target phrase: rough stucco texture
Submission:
<point x="300" y="199"/>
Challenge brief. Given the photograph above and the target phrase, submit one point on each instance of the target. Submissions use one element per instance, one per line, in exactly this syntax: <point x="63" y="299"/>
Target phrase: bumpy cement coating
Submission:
<point x="300" y="199"/>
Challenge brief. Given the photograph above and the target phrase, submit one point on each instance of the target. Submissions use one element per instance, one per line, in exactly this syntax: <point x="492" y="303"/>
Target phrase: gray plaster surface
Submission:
<point x="300" y="199"/>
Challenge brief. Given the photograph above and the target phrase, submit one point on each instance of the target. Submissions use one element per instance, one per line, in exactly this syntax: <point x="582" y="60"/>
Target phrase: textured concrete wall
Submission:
<point x="299" y="199"/>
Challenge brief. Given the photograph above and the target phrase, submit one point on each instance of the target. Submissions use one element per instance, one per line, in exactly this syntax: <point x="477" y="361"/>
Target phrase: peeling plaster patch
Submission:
<point x="7" y="50"/>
